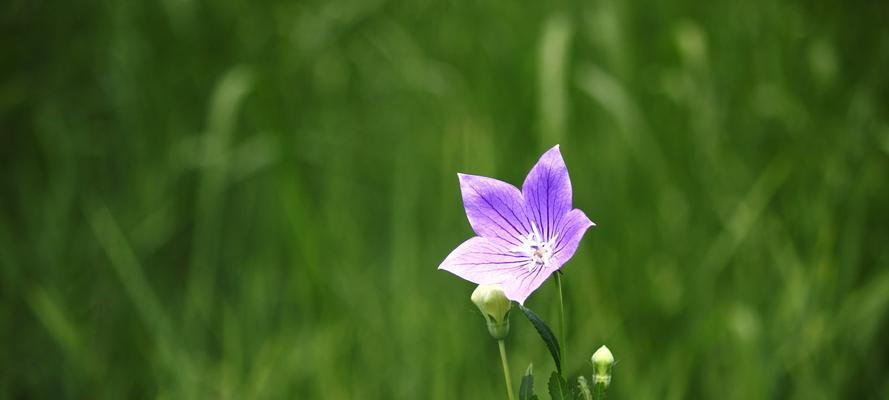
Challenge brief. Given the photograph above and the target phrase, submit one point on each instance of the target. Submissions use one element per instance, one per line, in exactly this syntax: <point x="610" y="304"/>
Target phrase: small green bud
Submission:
<point x="602" y="361"/>
<point x="494" y="305"/>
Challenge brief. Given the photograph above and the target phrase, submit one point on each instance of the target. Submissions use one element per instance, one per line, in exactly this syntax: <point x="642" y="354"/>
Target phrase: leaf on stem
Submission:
<point x="546" y="334"/>
<point x="558" y="388"/>
<point x="526" y="391"/>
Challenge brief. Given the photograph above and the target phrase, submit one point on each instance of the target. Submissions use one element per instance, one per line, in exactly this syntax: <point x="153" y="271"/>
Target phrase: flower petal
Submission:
<point x="495" y="209"/>
<point x="483" y="261"/>
<point x="523" y="282"/>
<point x="547" y="192"/>
<point x="570" y="231"/>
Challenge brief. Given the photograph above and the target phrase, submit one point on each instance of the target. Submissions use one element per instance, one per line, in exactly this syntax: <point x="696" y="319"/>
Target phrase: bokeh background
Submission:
<point x="225" y="199"/>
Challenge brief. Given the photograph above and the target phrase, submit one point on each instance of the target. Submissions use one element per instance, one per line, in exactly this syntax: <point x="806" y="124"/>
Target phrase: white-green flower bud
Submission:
<point x="494" y="305"/>
<point x="602" y="361"/>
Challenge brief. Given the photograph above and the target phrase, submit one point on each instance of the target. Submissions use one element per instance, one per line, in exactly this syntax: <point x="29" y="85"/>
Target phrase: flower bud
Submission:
<point x="494" y="305"/>
<point x="602" y="361"/>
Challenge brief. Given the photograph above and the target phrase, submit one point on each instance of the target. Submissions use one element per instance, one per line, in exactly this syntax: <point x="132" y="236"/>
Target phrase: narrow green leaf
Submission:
<point x="546" y="334"/>
<point x="558" y="388"/>
<point x="526" y="391"/>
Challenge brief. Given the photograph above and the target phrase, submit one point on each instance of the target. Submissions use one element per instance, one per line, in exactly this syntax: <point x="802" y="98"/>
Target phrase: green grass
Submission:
<point x="216" y="199"/>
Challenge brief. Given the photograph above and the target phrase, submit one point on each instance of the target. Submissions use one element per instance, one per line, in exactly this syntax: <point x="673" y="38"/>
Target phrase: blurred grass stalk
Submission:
<point x="215" y="155"/>
<point x="552" y="70"/>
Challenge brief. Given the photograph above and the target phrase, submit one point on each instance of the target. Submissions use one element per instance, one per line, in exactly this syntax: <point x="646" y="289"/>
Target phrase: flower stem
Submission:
<point x="505" y="369"/>
<point x="599" y="391"/>
<point x="561" y="317"/>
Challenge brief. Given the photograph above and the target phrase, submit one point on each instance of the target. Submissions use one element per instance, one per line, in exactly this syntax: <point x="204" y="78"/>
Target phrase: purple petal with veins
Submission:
<point x="571" y="230"/>
<point x="547" y="192"/>
<point x="522" y="283"/>
<point x="483" y="261"/>
<point x="495" y="209"/>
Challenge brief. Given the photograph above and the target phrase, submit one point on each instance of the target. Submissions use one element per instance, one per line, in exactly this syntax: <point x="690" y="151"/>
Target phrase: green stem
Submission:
<point x="563" y="343"/>
<point x="505" y="369"/>
<point x="599" y="391"/>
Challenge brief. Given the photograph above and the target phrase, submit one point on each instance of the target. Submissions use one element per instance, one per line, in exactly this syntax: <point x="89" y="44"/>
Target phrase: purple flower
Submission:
<point x="523" y="237"/>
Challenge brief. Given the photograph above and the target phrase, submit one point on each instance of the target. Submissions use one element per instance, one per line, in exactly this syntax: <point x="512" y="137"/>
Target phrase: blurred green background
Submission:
<point x="224" y="199"/>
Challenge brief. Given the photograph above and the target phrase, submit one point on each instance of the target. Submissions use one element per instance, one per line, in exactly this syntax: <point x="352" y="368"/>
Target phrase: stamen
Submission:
<point x="535" y="248"/>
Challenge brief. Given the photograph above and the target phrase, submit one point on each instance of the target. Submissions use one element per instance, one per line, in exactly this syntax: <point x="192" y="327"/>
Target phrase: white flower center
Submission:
<point x="538" y="250"/>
